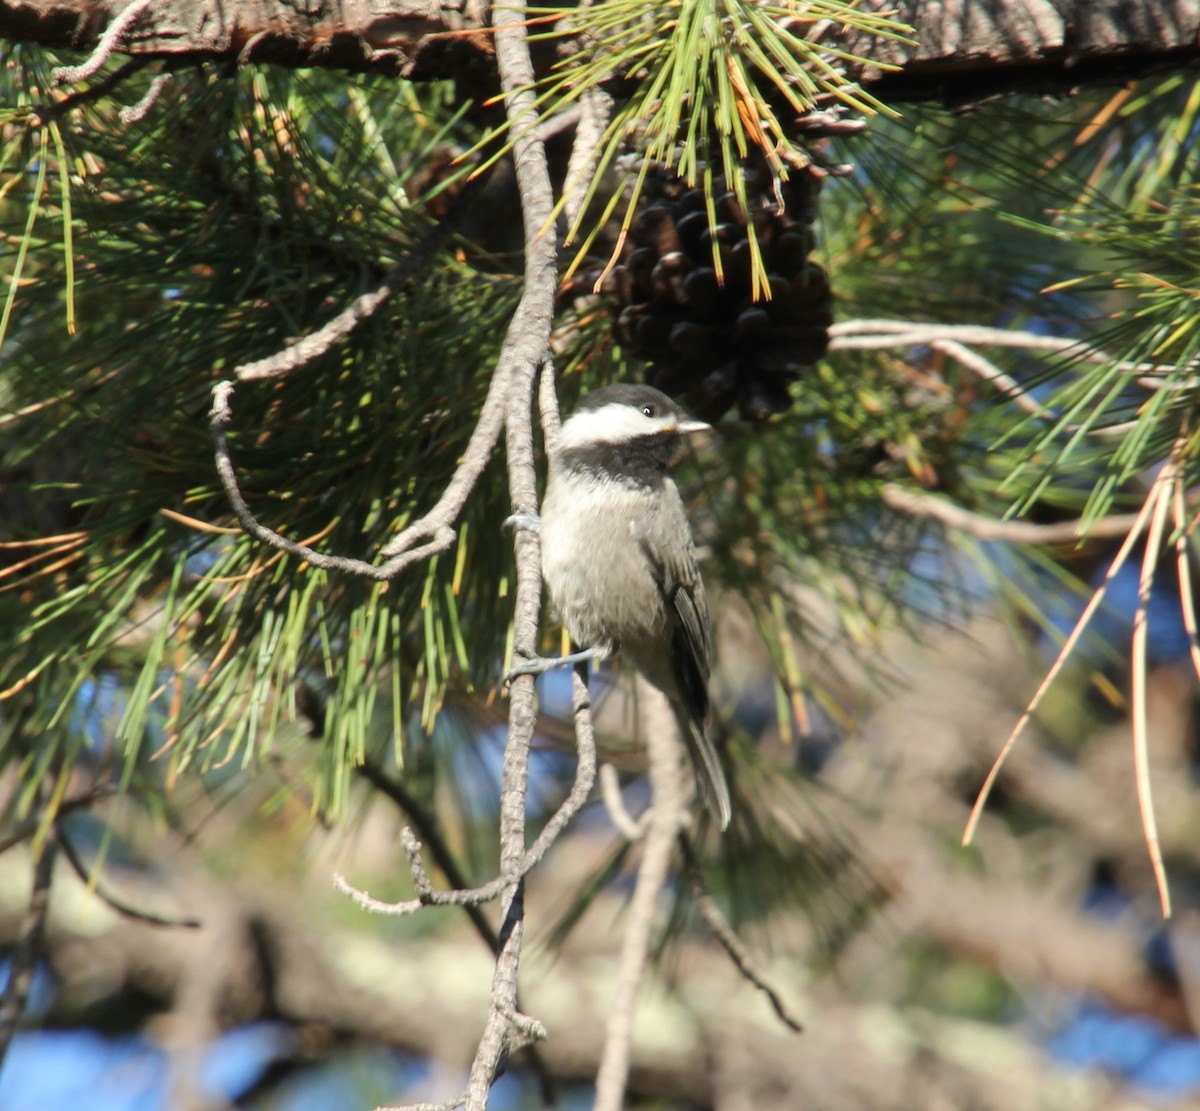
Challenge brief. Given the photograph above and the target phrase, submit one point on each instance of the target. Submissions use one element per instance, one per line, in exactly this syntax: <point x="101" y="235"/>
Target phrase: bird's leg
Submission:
<point x="539" y="665"/>
<point x="528" y="521"/>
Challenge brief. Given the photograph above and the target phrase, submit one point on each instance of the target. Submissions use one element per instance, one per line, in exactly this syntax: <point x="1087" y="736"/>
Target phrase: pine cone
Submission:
<point x="705" y="340"/>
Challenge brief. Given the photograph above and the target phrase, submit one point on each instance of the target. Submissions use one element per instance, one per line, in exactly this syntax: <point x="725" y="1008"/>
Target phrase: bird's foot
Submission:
<point x="539" y="665"/>
<point x="529" y="521"/>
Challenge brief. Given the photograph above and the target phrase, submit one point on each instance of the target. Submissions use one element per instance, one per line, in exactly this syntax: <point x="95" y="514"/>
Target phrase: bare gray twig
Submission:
<point x="596" y="107"/>
<point x="303" y="350"/>
<point x="526" y="351"/>
<point x="992" y="528"/>
<point x="434" y="528"/>
<point x="428" y="831"/>
<point x="444" y="858"/>
<point x="141" y="109"/>
<point x="955" y="340"/>
<point x="52" y="111"/>
<point x="429" y="534"/>
<point x="471" y="898"/>
<point x="72" y="75"/>
<point x="585" y="768"/>
<point x="632" y="829"/>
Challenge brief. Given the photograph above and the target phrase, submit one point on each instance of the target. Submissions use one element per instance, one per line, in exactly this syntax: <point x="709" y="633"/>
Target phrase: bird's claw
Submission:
<point x="528" y="521"/>
<point x="539" y="665"/>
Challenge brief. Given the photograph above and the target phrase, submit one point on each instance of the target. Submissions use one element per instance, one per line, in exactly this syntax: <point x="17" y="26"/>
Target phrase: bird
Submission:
<point x="619" y="561"/>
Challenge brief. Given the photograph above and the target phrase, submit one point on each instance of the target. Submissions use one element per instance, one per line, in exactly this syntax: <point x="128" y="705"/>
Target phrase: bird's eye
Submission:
<point x="647" y="410"/>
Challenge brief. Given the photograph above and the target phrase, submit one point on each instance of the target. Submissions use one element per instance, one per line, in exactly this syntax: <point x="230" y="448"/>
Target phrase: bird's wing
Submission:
<point x="691" y="634"/>
<point x="691" y="656"/>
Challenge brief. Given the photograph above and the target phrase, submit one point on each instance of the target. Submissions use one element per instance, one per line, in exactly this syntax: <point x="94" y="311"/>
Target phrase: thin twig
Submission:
<point x="135" y="112"/>
<point x="44" y="113"/>
<point x="595" y="112"/>
<point x="72" y="75"/>
<point x="434" y="527"/>
<point x="126" y="910"/>
<point x="596" y="107"/>
<point x="472" y="897"/>
<point x="989" y="372"/>
<point x="22" y="962"/>
<point x="992" y="528"/>
<point x="668" y="812"/>
<point x="429" y="534"/>
<point x="431" y="836"/>
<point x="986" y="370"/>
<point x="585" y="768"/>
<point x="304" y="350"/>
<point x="725" y="934"/>
<point x="851" y="334"/>
<point x="866" y="334"/>
<point x="632" y="829"/>
<point x="953" y="340"/>
<point x="445" y="860"/>
<point x="27" y="829"/>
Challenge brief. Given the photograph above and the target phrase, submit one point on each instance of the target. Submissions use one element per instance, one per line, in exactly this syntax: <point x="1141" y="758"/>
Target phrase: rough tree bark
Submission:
<point x="963" y="50"/>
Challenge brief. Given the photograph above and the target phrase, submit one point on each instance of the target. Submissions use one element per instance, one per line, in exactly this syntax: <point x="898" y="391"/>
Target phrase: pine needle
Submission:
<point x="1161" y="494"/>
<point x="1060" y="660"/>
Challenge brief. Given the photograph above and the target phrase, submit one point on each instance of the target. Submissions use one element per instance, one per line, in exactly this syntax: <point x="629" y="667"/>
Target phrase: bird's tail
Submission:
<point x="706" y="764"/>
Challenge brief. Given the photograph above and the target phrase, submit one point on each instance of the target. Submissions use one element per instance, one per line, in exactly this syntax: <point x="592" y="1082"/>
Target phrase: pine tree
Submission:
<point x="263" y="328"/>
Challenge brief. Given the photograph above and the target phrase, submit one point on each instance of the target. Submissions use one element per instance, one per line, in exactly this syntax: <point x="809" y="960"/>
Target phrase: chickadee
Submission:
<point x="618" y="559"/>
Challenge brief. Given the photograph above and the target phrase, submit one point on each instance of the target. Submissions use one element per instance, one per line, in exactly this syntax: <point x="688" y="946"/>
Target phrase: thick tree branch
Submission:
<point x="969" y="50"/>
<point x="963" y="50"/>
<point x="406" y="38"/>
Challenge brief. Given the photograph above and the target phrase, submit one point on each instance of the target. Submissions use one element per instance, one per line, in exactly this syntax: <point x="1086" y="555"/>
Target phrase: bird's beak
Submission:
<point x="687" y="427"/>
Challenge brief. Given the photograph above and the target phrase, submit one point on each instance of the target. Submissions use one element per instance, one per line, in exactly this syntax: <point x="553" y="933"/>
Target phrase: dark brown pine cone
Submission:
<point x="705" y="340"/>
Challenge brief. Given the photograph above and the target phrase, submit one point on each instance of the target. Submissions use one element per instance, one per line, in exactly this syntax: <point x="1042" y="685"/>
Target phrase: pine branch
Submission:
<point x="28" y="949"/>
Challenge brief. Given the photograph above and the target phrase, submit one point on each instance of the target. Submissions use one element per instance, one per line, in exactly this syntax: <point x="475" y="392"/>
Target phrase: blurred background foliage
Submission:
<point x="147" y="643"/>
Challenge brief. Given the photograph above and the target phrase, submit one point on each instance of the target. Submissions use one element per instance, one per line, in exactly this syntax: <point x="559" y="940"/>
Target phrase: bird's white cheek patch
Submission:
<point x="611" y="424"/>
